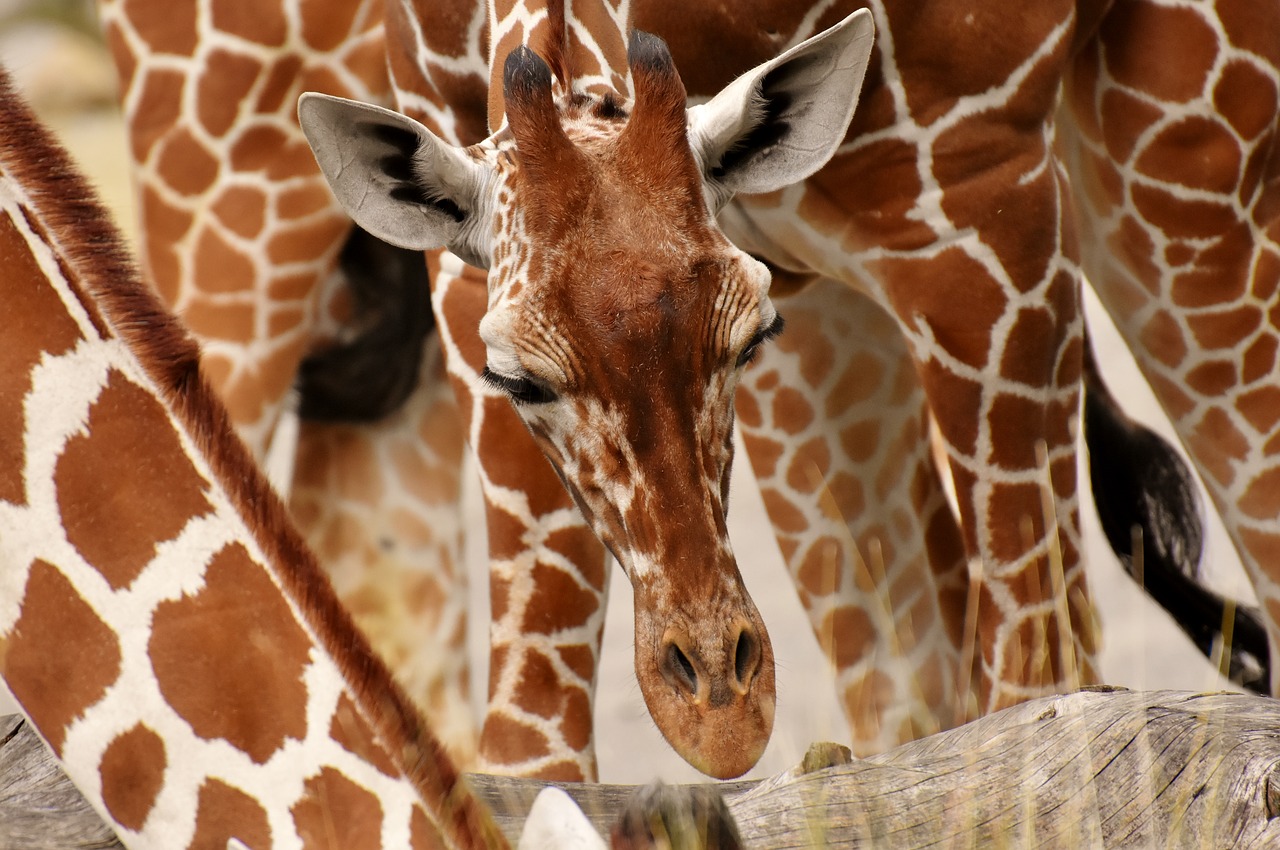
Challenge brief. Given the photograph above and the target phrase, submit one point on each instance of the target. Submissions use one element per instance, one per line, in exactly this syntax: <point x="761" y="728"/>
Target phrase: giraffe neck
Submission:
<point x="162" y="625"/>
<point x="585" y="43"/>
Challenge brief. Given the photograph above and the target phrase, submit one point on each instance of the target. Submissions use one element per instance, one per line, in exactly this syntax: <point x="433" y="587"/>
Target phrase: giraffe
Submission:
<point x="949" y="174"/>
<point x="934" y="264"/>
<point x="703" y="658"/>
<point x="162" y="624"/>
<point x="240" y="237"/>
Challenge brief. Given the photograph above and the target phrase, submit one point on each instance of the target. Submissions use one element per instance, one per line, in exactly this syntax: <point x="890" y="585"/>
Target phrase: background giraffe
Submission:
<point x="163" y="626"/>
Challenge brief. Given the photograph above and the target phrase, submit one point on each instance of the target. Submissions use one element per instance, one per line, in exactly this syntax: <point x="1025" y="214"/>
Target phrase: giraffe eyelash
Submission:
<point x="519" y="390"/>
<point x="762" y="336"/>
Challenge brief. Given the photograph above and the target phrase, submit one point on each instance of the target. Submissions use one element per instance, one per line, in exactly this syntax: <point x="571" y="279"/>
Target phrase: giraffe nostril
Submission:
<point x="680" y="669"/>
<point x="746" y="659"/>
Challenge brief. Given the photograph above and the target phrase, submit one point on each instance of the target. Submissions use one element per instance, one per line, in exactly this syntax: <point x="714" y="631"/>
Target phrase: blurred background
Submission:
<point x="54" y="52"/>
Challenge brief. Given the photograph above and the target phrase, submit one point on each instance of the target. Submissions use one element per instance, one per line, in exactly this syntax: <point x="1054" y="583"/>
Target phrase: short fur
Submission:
<point x="70" y="217"/>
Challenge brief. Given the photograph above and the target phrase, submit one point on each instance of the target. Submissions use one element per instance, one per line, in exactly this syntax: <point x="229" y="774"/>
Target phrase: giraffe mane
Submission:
<point x="99" y="267"/>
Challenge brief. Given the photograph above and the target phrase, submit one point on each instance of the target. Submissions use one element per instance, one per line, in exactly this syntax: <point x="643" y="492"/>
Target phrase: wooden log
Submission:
<point x="1097" y="768"/>
<point x="39" y="807"/>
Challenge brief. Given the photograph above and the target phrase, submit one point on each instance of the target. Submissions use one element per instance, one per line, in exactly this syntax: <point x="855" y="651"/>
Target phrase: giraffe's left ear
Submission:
<point x="780" y="122"/>
<point x="395" y="178"/>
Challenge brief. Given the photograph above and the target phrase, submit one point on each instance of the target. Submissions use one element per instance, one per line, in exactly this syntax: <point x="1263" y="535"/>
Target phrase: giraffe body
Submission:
<point x="163" y="626"/>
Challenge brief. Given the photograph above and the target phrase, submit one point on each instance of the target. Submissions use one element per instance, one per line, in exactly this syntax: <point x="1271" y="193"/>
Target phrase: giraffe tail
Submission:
<point x="1146" y="496"/>
<point x="369" y="375"/>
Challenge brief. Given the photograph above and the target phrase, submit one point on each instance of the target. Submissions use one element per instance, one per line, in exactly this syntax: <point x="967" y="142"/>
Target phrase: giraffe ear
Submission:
<point x="780" y="122"/>
<point x="395" y="178"/>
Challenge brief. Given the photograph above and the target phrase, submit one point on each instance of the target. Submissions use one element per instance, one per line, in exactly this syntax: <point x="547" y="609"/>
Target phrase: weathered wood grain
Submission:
<point x="1090" y="769"/>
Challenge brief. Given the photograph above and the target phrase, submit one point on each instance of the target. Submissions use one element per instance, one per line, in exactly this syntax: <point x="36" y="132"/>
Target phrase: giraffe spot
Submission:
<point x="242" y="210"/>
<point x="230" y="658"/>
<point x="222" y="268"/>
<point x="1246" y="98"/>
<point x="1181" y="218"/>
<point x="161" y="103"/>
<point x="165" y="227"/>
<point x="764" y="454"/>
<point x="1127" y="118"/>
<point x="576" y="726"/>
<point x="810" y="458"/>
<point x="499" y="597"/>
<point x="121" y="54"/>
<point x="580" y="659"/>
<point x="846" y="635"/>
<point x="285" y="321"/>
<point x="335" y="812"/>
<point x="1016" y="425"/>
<point x="791" y="411"/>
<point x="132" y="773"/>
<point x="1035" y="652"/>
<point x="581" y="548"/>
<point x="1009" y="510"/>
<point x="303" y="201"/>
<point x="1161" y="337"/>
<point x="251" y="21"/>
<point x="222" y="88"/>
<point x="558" y="602"/>
<point x="956" y="404"/>
<point x="60" y="658"/>
<point x="559" y="771"/>
<point x="211" y="319"/>
<point x="423" y="833"/>
<point x="127" y="486"/>
<point x="1261" y="499"/>
<point x="185" y="165"/>
<point x="784" y="515"/>
<point x="353" y="734"/>
<point x="1164" y="52"/>
<point x="1025" y="347"/>
<point x="506" y="741"/>
<point x="888" y="182"/>
<point x="300" y="243"/>
<point x="1212" y="378"/>
<point x="1214" y="441"/>
<point x="24" y="292"/>
<point x="224" y="812"/>
<point x="1225" y="329"/>
<point x="1259" y="359"/>
<point x="326" y="26"/>
<point x="1196" y="152"/>
<point x="1266" y="276"/>
<point x="1172" y="397"/>
<point x="539" y="690"/>
<point x="1178" y="254"/>
<point x="847" y="492"/>
<point x="257" y="147"/>
<point x="163" y="27"/>
<point x="821" y="567"/>
<point x="859" y="381"/>
<point x="861" y="440"/>
<point x="1247" y="31"/>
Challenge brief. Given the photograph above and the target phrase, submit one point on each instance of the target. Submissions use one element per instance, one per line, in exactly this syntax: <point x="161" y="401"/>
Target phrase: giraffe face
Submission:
<point x="619" y="320"/>
<point x="620" y="317"/>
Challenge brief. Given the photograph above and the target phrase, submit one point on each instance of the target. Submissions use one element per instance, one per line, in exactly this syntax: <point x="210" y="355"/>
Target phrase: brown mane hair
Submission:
<point x="66" y="213"/>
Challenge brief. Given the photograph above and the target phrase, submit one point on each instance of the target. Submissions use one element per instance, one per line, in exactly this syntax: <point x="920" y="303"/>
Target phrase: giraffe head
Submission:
<point x="620" y="317"/>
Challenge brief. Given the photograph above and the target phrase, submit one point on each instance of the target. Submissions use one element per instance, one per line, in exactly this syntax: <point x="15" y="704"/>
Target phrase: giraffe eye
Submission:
<point x="521" y="390"/>
<point x="762" y="336"/>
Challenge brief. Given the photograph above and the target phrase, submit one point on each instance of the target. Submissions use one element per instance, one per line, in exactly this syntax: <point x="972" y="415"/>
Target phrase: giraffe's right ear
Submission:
<point x="395" y="178"/>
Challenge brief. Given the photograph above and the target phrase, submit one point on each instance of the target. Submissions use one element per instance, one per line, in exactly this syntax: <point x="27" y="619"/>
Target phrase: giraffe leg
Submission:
<point x="548" y="573"/>
<point x="381" y="506"/>
<point x="1181" y="240"/>
<point x="835" y="424"/>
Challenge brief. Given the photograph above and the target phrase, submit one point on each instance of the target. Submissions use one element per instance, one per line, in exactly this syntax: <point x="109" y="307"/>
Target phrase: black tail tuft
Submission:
<point x="1140" y="482"/>
<point x="370" y="376"/>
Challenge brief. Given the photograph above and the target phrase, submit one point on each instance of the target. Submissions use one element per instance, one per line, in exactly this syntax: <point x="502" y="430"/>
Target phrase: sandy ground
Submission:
<point x="1142" y="648"/>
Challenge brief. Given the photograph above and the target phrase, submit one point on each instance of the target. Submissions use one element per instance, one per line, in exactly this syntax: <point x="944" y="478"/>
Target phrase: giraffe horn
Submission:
<point x="542" y="147"/>
<point x="658" y="120"/>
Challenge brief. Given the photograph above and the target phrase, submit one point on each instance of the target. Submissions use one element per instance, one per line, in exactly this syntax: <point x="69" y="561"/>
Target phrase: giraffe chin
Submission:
<point x="709" y="686"/>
